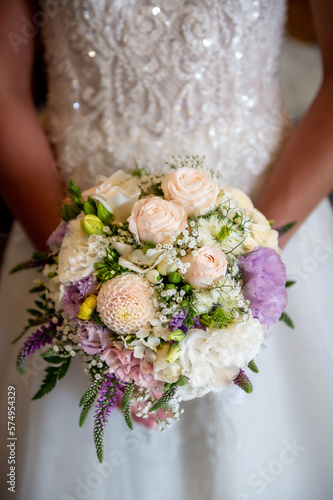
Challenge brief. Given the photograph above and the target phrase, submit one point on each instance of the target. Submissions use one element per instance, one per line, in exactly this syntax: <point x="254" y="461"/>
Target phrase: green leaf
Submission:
<point x="53" y="373"/>
<point x="64" y="367"/>
<point x="287" y="320"/>
<point x="48" y="383"/>
<point x="75" y="192"/>
<point x="37" y="289"/>
<point x="34" y="312"/>
<point x="287" y="227"/>
<point x="96" y="319"/>
<point x="290" y="283"/>
<point x="55" y="360"/>
<point x="40" y="320"/>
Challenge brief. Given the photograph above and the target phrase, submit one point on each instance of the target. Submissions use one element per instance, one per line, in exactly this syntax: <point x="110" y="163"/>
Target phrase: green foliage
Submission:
<point x="287" y="320"/>
<point x="224" y="233"/>
<point x="252" y="365"/>
<point x="70" y="211"/>
<point x="88" y="400"/>
<point x="109" y="268"/>
<point x="191" y="314"/>
<point x="75" y="193"/>
<point x="40" y="316"/>
<point x="287" y="227"/>
<point x="290" y="283"/>
<point x="53" y="373"/>
<point x="139" y="172"/>
<point x="169" y="394"/>
<point x="38" y="260"/>
<point x="243" y="381"/>
<point x="217" y="318"/>
<point x="96" y="319"/>
<point x="126" y="406"/>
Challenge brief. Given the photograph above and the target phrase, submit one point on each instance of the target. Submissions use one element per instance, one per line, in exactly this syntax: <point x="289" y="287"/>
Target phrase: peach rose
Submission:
<point x="156" y="220"/>
<point x="207" y="266"/>
<point x="193" y="188"/>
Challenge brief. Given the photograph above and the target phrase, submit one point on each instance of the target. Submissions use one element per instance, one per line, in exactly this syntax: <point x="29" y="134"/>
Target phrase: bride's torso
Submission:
<point x="137" y="81"/>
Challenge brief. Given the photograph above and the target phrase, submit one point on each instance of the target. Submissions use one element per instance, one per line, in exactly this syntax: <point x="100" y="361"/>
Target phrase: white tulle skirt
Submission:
<point x="276" y="443"/>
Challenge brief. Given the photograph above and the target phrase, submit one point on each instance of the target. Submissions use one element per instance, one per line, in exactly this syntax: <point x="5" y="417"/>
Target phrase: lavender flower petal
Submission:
<point x="75" y="294"/>
<point x="265" y="277"/>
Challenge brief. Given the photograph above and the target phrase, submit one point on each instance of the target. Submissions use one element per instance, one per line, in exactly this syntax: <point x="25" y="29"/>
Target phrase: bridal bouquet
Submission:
<point x="164" y="286"/>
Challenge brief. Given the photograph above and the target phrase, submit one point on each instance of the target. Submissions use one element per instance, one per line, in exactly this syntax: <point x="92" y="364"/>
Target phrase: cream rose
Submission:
<point x="117" y="194"/>
<point x="262" y="233"/>
<point x="207" y="266"/>
<point x="193" y="188"/>
<point x="156" y="220"/>
<point x="242" y="199"/>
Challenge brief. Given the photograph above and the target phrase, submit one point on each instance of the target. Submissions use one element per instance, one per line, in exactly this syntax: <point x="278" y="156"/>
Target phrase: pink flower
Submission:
<point x="207" y="266"/>
<point x="128" y="368"/>
<point x="193" y="188"/>
<point x="124" y="303"/>
<point x="156" y="220"/>
<point x="93" y="338"/>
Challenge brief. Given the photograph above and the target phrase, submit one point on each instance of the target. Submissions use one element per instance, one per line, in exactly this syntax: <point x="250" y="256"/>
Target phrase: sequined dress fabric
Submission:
<point x="133" y="82"/>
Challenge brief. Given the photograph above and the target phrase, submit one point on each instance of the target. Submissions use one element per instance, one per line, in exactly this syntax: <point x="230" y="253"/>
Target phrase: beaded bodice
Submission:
<point x="135" y="81"/>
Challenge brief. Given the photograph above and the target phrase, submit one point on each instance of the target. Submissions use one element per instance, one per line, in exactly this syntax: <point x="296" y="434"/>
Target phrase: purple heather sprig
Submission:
<point x="110" y="392"/>
<point x="41" y="337"/>
<point x="243" y="381"/>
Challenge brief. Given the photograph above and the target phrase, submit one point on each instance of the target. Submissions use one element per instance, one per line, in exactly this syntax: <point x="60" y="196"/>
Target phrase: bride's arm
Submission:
<point x="29" y="182"/>
<point x="303" y="175"/>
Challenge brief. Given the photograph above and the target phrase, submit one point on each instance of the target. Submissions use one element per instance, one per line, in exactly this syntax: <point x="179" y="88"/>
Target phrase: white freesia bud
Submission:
<point x="153" y="276"/>
<point x="164" y="268"/>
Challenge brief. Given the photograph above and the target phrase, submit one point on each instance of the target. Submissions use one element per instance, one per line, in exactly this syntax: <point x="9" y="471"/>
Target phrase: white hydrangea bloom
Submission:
<point x="79" y="253"/>
<point x="212" y="359"/>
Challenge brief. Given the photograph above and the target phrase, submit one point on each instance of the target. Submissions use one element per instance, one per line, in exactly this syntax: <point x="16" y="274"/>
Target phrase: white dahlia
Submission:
<point x="125" y="303"/>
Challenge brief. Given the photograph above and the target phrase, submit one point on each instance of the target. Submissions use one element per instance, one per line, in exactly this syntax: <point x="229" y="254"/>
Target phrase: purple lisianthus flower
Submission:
<point x="265" y="278"/>
<point x="55" y="239"/>
<point x="93" y="338"/>
<point x="75" y="294"/>
<point x="177" y="323"/>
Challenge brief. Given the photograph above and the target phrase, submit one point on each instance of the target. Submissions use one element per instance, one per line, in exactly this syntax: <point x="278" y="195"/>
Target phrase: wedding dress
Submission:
<point x="133" y="82"/>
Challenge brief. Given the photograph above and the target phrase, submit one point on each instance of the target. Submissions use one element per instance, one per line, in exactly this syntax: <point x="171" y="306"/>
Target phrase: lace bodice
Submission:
<point x="135" y="81"/>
